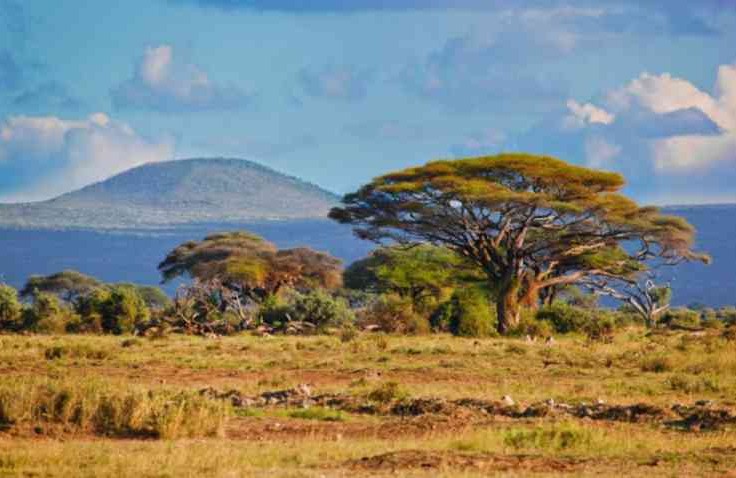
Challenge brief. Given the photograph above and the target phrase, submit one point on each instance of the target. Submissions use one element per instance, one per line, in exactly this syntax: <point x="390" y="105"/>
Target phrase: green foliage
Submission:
<point x="11" y="310"/>
<point x="47" y="315"/>
<point x="395" y="314"/>
<point x="387" y="392"/>
<point x="68" y="285"/>
<point x="273" y="310"/>
<point x="422" y="273"/>
<point x="473" y="315"/>
<point x="566" y="318"/>
<point x="123" y="310"/>
<point x="318" y="413"/>
<point x="321" y="309"/>
<point x="248" y="263"/>
<point x="560" y="437"/>
<point x="681" y="317"/>
<point x="531" y="326"/>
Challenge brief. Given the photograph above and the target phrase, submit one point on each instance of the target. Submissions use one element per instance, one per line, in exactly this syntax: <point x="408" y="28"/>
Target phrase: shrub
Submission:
<point x="11" y="310"/>
<point x="395" y="314"/>
<point x="123" y="311"/>
<point x="601" y="328"/>
<point x="473" y="315"/>
<point x="681" y="318"/>
<point x="321" y="309"/>
<point x="565" y="318"/>
<point x="529" y="325"/>
<point x="387" y="392"/>
<point x="273" y="311"/>
<point x="47" y="315"/>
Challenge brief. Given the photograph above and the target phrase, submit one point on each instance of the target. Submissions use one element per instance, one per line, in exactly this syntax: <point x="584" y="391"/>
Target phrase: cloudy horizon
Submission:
<point x="338" y="92"/>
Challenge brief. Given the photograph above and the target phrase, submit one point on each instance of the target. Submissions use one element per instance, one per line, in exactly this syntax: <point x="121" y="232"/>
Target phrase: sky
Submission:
<point x="339" y="91"/>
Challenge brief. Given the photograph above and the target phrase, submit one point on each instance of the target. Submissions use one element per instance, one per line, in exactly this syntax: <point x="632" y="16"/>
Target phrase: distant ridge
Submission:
<point x="177" y="192"/>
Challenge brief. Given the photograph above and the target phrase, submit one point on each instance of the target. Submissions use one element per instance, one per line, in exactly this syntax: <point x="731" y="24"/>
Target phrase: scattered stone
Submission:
<point x="508" y="401"/>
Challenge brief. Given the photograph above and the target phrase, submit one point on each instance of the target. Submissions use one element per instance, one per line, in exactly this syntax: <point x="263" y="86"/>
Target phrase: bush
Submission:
<point x="681" y="318"/>
<point x="47" y="315"/>
<point x="473" y="314"/>
<point x="123" y="311"/>
<point x="273" y="311"/>
<point x="564" y="318"/>
<point x="11" y="310"/>
<point x="395" y="314"/>
<point x="321" y="309"/>
<point x="387" y="392"/>
<point x="529" y="325"/>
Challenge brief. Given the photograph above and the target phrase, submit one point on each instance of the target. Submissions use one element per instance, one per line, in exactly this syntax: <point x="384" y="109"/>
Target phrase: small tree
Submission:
<point x="250" y="265"/>
<point x="11" y="309"/>
<point x="528" y="223"/>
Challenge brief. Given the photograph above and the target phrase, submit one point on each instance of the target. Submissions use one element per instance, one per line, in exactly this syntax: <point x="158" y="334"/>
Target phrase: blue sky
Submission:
<point x="339" y="91"/>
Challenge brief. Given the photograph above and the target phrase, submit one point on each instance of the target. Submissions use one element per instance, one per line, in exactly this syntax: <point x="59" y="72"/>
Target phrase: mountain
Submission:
<point x="174" y="193"/>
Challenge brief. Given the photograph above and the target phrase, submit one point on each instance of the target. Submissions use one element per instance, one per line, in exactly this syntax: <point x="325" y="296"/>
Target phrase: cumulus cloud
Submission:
<point x="161" y="82"/>
<point x="66" y="154"/>
<point x="667" y="95"/>
<point x="582" y="115"/>
<point x="335" y="82"/>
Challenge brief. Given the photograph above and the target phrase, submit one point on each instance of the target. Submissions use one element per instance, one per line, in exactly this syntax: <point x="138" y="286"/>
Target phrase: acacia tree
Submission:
<point x="68" y="285"/>
<point x="250" y="265"/>
<point x="528" y="222"/>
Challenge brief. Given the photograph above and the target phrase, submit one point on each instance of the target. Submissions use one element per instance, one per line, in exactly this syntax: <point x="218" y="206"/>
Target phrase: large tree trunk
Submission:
<point x="507" y="306"/>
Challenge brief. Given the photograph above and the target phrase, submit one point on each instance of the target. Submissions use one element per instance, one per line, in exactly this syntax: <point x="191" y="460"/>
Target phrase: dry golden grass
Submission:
<point x="72" y="404"/>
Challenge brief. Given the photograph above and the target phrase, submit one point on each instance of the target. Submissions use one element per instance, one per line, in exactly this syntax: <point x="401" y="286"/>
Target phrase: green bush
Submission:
<point x="47" y="315"/>
<point x="681" y="317"/>
<point x="566" y="318"/>
<point x="321" y="309"/>
<point x="395" y="314"/>
<point x="123" y="311"/>
<point x="11" y="310"/>
<point x="529" y="325"/>
<point x="273" y="311"/>
<point x="473" y="314"/>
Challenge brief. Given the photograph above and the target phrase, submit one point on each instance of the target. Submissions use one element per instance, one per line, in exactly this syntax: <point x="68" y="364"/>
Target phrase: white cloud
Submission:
<point x="79" y="151"/>
<point x="585" y="114"/>
<point x="163" y="83"/>
<point x="666" y="103"/>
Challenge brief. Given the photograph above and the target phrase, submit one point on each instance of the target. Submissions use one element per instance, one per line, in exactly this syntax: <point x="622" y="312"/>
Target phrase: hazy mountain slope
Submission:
<point x="177" y="192"/>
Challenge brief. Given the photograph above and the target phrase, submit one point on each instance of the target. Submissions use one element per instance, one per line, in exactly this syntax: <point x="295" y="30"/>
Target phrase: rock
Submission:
<point x="550" y="403"/>
<point x="508" y="401"/>
<point x="304" y="389"/>
<point x="704" y="403"/>
<point x="600" y="401"/>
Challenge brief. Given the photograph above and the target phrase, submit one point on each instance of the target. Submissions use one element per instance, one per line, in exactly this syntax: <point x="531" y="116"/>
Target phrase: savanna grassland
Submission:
<point x="654" y="404"/>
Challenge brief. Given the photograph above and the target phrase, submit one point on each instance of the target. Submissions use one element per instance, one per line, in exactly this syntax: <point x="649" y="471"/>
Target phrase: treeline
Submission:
<point x="243" y="283"/>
